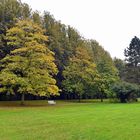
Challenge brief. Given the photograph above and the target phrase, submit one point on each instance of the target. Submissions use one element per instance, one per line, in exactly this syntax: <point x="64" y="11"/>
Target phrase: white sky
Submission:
<point x="113" y="23"/>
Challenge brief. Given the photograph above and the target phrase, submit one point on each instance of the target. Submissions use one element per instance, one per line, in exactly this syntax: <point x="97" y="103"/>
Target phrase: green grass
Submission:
<point x="69" y="121"/>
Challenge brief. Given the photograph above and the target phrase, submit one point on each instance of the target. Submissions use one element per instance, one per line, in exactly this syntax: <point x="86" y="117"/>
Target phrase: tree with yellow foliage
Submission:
<point x="30" y="67"/>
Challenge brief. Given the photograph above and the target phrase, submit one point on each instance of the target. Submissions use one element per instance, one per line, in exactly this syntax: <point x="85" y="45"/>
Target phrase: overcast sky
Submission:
<point x="113" y="23"/>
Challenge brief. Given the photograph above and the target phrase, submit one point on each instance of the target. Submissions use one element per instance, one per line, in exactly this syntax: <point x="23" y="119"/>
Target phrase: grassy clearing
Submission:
<point x="69" y="121"/>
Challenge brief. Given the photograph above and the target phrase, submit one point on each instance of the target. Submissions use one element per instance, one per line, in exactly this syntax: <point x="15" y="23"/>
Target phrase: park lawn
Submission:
<point x="69" y="121"/>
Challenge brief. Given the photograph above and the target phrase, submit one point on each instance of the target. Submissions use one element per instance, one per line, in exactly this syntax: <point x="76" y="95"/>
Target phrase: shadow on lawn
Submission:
<point x="59" y="103"/>
<point x="44" y="103"/>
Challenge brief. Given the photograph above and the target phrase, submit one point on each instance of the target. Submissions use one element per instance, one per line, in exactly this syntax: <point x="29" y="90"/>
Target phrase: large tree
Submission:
<point x="30" y="67"/>
<point x="62" y="40"/>
<point x="106" y="69"/>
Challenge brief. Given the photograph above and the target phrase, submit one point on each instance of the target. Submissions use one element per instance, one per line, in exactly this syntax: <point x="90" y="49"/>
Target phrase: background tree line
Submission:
<point x="41" y="57"/>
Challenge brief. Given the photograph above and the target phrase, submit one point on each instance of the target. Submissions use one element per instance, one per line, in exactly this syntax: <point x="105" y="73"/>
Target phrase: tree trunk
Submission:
<point x="101" y="97"/>
<point x="123" y="100"/>
<point x="101" y="94"/>
<point x="79" y="98"/>
<point x="22" y="99"/>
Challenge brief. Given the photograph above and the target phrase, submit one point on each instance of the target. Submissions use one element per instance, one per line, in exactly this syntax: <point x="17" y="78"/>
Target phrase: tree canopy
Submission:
<point x="41" y="56"/>
<point x="30" y="67"/>
<point x="81" y="74"/>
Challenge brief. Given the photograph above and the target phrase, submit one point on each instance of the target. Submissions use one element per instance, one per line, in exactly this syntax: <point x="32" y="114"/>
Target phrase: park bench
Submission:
<point x="51" y="102"/>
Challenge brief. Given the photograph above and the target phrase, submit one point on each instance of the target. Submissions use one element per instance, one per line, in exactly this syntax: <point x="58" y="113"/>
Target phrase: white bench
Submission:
<point x="51" y="102"/>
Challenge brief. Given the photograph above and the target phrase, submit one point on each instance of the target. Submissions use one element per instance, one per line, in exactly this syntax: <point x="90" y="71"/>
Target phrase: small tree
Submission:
<point x="30" y="67"/>
<point x="125" y="92"/>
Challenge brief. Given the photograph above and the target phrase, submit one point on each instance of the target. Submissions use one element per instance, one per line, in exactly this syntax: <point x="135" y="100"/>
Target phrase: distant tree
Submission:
<point x="132" y="54"/>
<point x="30" y="67"/>
<point x="36" y="17"/>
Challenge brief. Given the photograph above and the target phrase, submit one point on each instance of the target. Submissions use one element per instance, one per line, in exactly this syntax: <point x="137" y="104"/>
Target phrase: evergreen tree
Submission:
<point x="132" y="54"/>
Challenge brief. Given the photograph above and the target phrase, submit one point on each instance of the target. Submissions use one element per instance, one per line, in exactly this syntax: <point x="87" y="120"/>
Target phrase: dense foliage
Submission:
<point x="125" y="92"/>
<point x="42" y="56"/>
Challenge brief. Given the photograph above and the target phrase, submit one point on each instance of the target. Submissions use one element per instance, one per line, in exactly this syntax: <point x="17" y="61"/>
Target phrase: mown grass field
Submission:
<point x="69" y="121"/>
